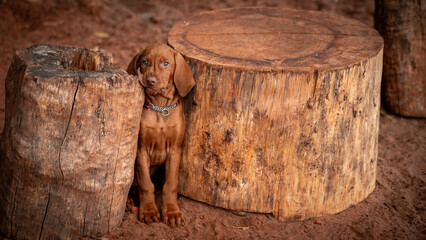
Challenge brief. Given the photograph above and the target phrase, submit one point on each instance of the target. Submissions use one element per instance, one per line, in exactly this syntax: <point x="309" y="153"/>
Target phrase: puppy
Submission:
<point x="166" y="77"/>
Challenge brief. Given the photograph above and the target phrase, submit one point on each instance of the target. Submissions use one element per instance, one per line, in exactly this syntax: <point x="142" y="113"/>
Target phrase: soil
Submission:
<point x="396" y="208"/>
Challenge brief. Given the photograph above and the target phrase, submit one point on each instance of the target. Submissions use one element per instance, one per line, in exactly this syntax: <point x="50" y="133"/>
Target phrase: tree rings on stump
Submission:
<point x="284" y="117"/>
<point x="69" y="143"/>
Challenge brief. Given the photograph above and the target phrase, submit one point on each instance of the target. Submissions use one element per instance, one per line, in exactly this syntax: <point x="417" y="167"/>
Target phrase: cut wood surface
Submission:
<point x="69" y="143"/>
<point x="284" y="117"/>
<point x="403" y="26"/>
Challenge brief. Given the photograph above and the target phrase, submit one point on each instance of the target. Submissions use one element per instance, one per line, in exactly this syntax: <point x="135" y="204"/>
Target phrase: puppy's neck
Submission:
<point x="166" y="97"/>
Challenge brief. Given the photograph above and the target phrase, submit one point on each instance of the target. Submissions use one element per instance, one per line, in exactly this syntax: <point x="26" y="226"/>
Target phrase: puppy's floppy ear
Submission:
<point x="133" y="65"/>
<point x="183" y="79"/>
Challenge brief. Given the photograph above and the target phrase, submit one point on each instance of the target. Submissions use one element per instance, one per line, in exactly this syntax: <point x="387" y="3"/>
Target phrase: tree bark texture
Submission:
<point x="69" y="143"/>
<point x="284" y="117"/>
<point x="403" y="27"/>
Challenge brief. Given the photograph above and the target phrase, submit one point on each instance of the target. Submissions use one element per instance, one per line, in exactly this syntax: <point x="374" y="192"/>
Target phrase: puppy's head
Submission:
<point x="159" y="67"/>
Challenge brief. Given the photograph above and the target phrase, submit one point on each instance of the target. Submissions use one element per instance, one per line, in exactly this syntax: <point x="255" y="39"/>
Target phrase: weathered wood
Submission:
<point x="69" y="143"/>
<point x="284" y="117"/>
<point x="403" y="26"/>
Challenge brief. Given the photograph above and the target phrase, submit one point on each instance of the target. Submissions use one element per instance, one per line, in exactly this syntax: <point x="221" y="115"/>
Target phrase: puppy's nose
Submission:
<point x="151" y="80"/>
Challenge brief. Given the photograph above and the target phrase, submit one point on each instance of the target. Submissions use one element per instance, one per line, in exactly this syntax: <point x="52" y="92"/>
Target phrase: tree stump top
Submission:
<point x="268" y="39"/>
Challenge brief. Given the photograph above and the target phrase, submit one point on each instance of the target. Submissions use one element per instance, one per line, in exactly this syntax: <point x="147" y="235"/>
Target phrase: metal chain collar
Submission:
<point x="163" y="110"/>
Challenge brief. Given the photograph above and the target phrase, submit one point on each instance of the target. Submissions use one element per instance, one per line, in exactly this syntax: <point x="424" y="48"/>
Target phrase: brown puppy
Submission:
<point x="166" y="77"/>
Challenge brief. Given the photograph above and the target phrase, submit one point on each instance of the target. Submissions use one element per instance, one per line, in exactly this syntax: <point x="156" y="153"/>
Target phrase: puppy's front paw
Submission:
<point x="148" y="212"/>
<point x="171" y="214"/>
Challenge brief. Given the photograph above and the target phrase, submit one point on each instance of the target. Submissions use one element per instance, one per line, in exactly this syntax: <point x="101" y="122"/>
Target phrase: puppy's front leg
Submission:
<point x="147" y="208"/>
<point x="171" y="213"/>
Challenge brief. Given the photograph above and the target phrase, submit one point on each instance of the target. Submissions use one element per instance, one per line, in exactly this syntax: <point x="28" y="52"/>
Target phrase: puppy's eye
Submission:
<point x="144" y="62"/>
<point x="165" y="63"/>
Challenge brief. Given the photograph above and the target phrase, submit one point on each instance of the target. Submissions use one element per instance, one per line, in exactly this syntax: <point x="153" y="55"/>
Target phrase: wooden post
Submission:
<point x="403" y="26"/>
<point x="284" y="117"/>
<point x="69" y="143"/>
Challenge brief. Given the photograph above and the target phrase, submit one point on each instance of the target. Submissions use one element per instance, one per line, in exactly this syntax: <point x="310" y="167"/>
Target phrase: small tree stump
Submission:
<point x="69" y="143"/>
<point x="403" y="26"/>
<point x="284" y="117"/>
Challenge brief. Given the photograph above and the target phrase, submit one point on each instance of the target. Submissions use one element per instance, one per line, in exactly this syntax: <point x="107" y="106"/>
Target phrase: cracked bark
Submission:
<point x="60" y="99"/>
<point x="84" y="216"/>
<point x="13" y="210"/>
<point x="66" y="130"/>
<point x="44" y="216"/>
<point x="113" y="181"/>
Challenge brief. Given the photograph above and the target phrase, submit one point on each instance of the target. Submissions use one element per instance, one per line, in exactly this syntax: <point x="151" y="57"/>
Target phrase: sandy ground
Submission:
<point x="395" y="210"/>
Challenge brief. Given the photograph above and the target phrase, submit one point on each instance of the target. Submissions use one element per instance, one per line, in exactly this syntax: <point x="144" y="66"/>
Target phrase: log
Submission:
<point x="285" y="113"/>
<point x="403" y="27"/>
<point x="69" y="143"/>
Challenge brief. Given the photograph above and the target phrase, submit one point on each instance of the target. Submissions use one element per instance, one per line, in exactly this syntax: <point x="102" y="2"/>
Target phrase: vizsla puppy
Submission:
<point x="166" y="77"/>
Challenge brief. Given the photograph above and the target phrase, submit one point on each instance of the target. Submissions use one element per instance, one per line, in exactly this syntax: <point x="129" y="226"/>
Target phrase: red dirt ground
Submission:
<point x="395" y="210"/>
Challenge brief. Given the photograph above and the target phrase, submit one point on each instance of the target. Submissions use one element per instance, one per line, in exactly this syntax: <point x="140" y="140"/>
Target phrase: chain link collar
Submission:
<point x="163" y="110"/>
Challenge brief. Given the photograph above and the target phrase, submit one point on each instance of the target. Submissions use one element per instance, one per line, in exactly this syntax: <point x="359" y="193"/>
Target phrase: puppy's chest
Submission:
<point x="159" y="139"/>
<point x="159" y="135"/>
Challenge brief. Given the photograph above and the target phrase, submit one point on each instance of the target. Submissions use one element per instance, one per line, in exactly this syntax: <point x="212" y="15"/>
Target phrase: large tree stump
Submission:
<point x="284" y="117"/>
<point x="403" y="26"/>
<point x="69" y="143"/>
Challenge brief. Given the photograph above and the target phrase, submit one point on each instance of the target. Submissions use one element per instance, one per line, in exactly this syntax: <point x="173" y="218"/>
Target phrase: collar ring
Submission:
<point x="165" y="112"/>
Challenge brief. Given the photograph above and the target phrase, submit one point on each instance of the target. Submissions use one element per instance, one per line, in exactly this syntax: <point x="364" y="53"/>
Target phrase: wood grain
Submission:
<point x="403" y="27"/>
<point x="69" y="143"/>
<point x="284" y="117"/>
